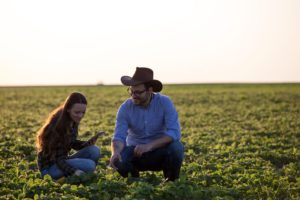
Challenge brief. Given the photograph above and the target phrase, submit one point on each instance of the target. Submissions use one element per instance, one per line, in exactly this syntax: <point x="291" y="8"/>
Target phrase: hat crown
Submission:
<point x="143" y="74"/>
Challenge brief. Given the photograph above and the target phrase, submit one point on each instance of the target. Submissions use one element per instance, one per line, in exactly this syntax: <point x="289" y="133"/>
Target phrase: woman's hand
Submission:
<point x="93" y="139"/>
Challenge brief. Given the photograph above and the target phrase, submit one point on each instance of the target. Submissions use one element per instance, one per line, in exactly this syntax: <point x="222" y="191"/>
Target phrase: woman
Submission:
<point x="59" y="134"/>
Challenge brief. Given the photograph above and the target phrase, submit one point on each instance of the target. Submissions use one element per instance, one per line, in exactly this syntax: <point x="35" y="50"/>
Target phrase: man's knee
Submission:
<point x="176" y="150"/>
<point x="173" y="161"/>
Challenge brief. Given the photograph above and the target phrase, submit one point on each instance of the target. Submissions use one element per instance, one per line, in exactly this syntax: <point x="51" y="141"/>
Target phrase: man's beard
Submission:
<point x="139" y="101"/>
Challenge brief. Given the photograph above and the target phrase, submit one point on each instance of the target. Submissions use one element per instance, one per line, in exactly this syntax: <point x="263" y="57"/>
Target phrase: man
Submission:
<point x="147" y="133"/>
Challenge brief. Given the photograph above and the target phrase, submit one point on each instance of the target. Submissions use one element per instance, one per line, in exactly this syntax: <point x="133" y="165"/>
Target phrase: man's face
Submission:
<point x="139" y="94"/>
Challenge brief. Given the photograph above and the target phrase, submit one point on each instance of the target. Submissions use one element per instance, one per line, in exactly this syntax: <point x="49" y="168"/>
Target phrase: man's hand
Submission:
<point x="116" y="149"/>
<point x="78" y="172"/>
<point x="159" y="142"/>
<point x="114" y="157"/>
<point x="142" y="148"/>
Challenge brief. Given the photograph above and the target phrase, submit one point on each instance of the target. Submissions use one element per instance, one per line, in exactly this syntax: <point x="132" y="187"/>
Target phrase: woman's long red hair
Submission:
<point x="56" y="129"/>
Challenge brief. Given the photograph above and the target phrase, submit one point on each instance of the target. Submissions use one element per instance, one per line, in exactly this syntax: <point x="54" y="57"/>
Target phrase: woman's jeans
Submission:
<point x="168" y="158"/>
<point x="85" y="159"/>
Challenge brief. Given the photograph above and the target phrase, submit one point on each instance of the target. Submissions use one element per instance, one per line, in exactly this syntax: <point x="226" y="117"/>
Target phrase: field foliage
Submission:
<point x="241" y="142"/>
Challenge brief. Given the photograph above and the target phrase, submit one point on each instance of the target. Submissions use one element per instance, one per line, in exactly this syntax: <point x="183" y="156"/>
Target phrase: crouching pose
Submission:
<point x="147" y="132"/>
<point x="59" y="135"/>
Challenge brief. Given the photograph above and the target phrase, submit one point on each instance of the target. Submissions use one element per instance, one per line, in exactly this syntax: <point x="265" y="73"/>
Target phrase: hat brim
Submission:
<point x="155" y="84"/>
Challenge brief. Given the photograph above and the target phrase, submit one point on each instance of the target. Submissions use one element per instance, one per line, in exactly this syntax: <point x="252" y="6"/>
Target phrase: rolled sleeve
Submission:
<point x="121" y="125"/>
<point x="171" y="120"/>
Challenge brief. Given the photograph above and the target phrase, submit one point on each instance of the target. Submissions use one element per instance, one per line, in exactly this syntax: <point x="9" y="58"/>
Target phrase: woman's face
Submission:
<point x="77" y="112"/>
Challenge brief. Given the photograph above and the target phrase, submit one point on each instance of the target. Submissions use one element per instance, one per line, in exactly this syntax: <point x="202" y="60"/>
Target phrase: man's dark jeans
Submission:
<point x="168" y="158"/>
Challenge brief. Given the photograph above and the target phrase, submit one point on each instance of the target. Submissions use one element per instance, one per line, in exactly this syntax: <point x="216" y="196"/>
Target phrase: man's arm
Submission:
<point x="171" y="119"/>
<point x="172" y="126"/>
<point x="116" y="148"/>
<point x="119" y="137"/>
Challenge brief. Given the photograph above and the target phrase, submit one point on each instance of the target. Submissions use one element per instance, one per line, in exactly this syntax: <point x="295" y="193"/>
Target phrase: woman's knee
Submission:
<point x="84" y="164"/>
<point x="89" y="166"/>
<point x="94" y="152"/>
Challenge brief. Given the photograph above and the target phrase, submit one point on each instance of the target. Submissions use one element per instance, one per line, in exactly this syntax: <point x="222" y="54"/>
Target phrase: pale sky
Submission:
<point x="61" y="42"/>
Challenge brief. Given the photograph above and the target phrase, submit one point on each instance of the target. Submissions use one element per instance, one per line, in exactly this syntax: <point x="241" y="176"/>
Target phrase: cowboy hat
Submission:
<point x="140" y="76"/>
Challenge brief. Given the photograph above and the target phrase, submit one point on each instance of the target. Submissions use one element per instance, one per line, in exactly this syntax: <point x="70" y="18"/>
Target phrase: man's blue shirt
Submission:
<point x="141" y="125"/>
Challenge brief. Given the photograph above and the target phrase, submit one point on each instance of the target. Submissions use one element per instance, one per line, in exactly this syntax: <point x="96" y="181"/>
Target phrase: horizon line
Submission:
<point x="183" y="83"/>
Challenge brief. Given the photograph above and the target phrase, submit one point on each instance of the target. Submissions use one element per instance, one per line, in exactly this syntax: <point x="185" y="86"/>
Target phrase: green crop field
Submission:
<point x="241" y="142"/>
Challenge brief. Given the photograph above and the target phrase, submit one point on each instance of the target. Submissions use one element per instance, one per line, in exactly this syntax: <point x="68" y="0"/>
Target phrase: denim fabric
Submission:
<point x="168" y="159"/>
<point x="85" y="159"/>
